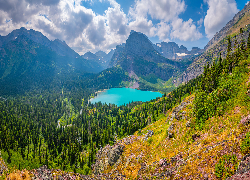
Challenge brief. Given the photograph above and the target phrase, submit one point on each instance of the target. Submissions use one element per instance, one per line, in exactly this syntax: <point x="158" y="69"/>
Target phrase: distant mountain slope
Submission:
<point x="61" y="48"/>
<point x="238" y="29"/>
<point x="171" y="50"/>
<point x="99" y="57"/>
<point x="142" y="62"/>
<point x="240" y="20"/>
<point x="25" y="63"/>
<point x="198" y="131"/>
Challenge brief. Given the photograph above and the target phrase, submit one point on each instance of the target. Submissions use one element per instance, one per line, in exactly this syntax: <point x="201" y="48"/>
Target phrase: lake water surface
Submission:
<point x="121" y="96"/>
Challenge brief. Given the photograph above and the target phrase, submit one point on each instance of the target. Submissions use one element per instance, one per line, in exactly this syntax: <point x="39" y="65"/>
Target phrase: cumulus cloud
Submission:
<point x="84" y="30"/>
<point x="167" y="11"/>
<point x="185" y="30"/>
<point x="143" y="25"/>
<point x="163" y="31"/>
<point x="116" y="19"/>
<point x="161" y="9"/>
<point x="43" y="2"/>
<point x="96" y="32"/>
<point x="218" y="14"/>
<point x="200" y="22"/>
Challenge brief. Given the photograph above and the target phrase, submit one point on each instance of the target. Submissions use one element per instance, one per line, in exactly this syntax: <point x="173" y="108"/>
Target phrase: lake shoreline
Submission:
<point x="124" y="95"/>
<point x="96" y="94"/>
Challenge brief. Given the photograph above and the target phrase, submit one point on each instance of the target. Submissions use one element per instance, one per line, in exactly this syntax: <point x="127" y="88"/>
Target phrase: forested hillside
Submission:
<point x="196" y="131"/>
<point x="204" y="136"/>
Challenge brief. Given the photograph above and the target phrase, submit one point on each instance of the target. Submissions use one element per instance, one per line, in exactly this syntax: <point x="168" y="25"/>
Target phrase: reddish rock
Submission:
<point x="245" y="120"/>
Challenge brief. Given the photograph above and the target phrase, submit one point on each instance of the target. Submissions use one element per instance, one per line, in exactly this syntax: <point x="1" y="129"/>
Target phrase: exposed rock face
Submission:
<point x="149" y="134"/>
<point x="218" y="44"/>
<point x="245" y="120"/>
<point x="227" y="29"/>
<point x="109" y="155"/>
<point x="117" y="55"/>
<point x="171" y="50"/>
<point x="138" y="44"/>
<point x="114" y="154"/>
<point x="197" y="67"/>
<point x="176" y="111"/>
<point x="3" y="167"/>
<point x="139" y="58"/>
<point x="90" y="56"/>
<point x="99" y="57"/>
<point x="243" y="172"/>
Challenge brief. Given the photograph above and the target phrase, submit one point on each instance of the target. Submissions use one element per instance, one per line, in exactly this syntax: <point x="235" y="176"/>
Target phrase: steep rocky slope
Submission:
<point x="171" y="50"/>
<point x="99" y="57"/>
<point x="147" y="66"/>
<point x="174" y="147"/>
<point x="240" y="20"/>
<point x="218" y="44"/>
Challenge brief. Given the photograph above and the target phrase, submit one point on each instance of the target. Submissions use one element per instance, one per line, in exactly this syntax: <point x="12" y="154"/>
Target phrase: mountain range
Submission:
<point x="218" y="45"/>
<point x="30" y="59"/>
<point x="171" y="50"/>
<point x="148" y="68"/>
<point x="199" y="130"/>
<point x="99" y="57"/>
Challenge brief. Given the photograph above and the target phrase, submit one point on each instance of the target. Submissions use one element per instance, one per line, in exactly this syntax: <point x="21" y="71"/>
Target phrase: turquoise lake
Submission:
<point x="121" y="96"/>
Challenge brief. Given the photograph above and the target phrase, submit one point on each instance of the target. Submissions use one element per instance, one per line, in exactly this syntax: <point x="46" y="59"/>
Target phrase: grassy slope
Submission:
<point x="222" y="135"/>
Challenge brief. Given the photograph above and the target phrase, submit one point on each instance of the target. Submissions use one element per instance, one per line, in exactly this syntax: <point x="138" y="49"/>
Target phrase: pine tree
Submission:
<point x="248" y="43"/>
<point x="229" y="46"/>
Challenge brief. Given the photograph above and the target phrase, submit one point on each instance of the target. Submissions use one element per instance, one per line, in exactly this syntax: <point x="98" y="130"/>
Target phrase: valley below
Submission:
<point x="123" y="96"/>
<point x="139" y="111"/>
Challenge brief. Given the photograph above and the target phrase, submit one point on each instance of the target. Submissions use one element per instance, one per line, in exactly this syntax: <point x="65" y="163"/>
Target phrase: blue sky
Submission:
<point x="92" y="25"/>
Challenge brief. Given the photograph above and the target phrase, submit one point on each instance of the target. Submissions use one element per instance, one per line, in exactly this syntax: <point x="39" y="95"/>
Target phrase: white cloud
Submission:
<point x="117" y="20"/>
<point x="185" y="30"/>
<point x="163" y="31"/>
<point x="84" y="30"/>
<point x="165" y="10"/>
<point x="200" y="22"/>
<point x="218" y="15"/>
<point x="143" y="25"/>
<point x="170" y="26"/>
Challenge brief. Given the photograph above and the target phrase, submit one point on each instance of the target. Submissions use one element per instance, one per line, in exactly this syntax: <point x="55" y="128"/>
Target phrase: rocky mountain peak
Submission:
<point x="138" y="44"/>
<point x="89" y="55"/>
<point x="171" y="50"/>
<point x="58" y="46"/>
<point x="100" y="54"/>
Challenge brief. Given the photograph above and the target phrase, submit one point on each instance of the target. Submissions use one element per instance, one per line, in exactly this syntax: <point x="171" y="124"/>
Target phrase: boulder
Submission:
<point x="170" y="135"/>
<point x="115" y="154"/>
<point x="243" y="172"/>
<point x="248" y="92"/>
<point x="188" y="124"/>
<point x="195" y="136"/>
<point x="149" y="134"/>
<point x="171" y="127"/>
<point x="245" y="120"/>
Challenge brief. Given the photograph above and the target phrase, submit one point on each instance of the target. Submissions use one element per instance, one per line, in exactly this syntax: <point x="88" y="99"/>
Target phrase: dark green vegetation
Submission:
<point x="218" y="83"/>
<point x="53" y="124"/>
<point x="26" y="64"/>
<point x="226" y="166"/>
<point x="62" y="131"/>
<point x="57" y="127"/>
